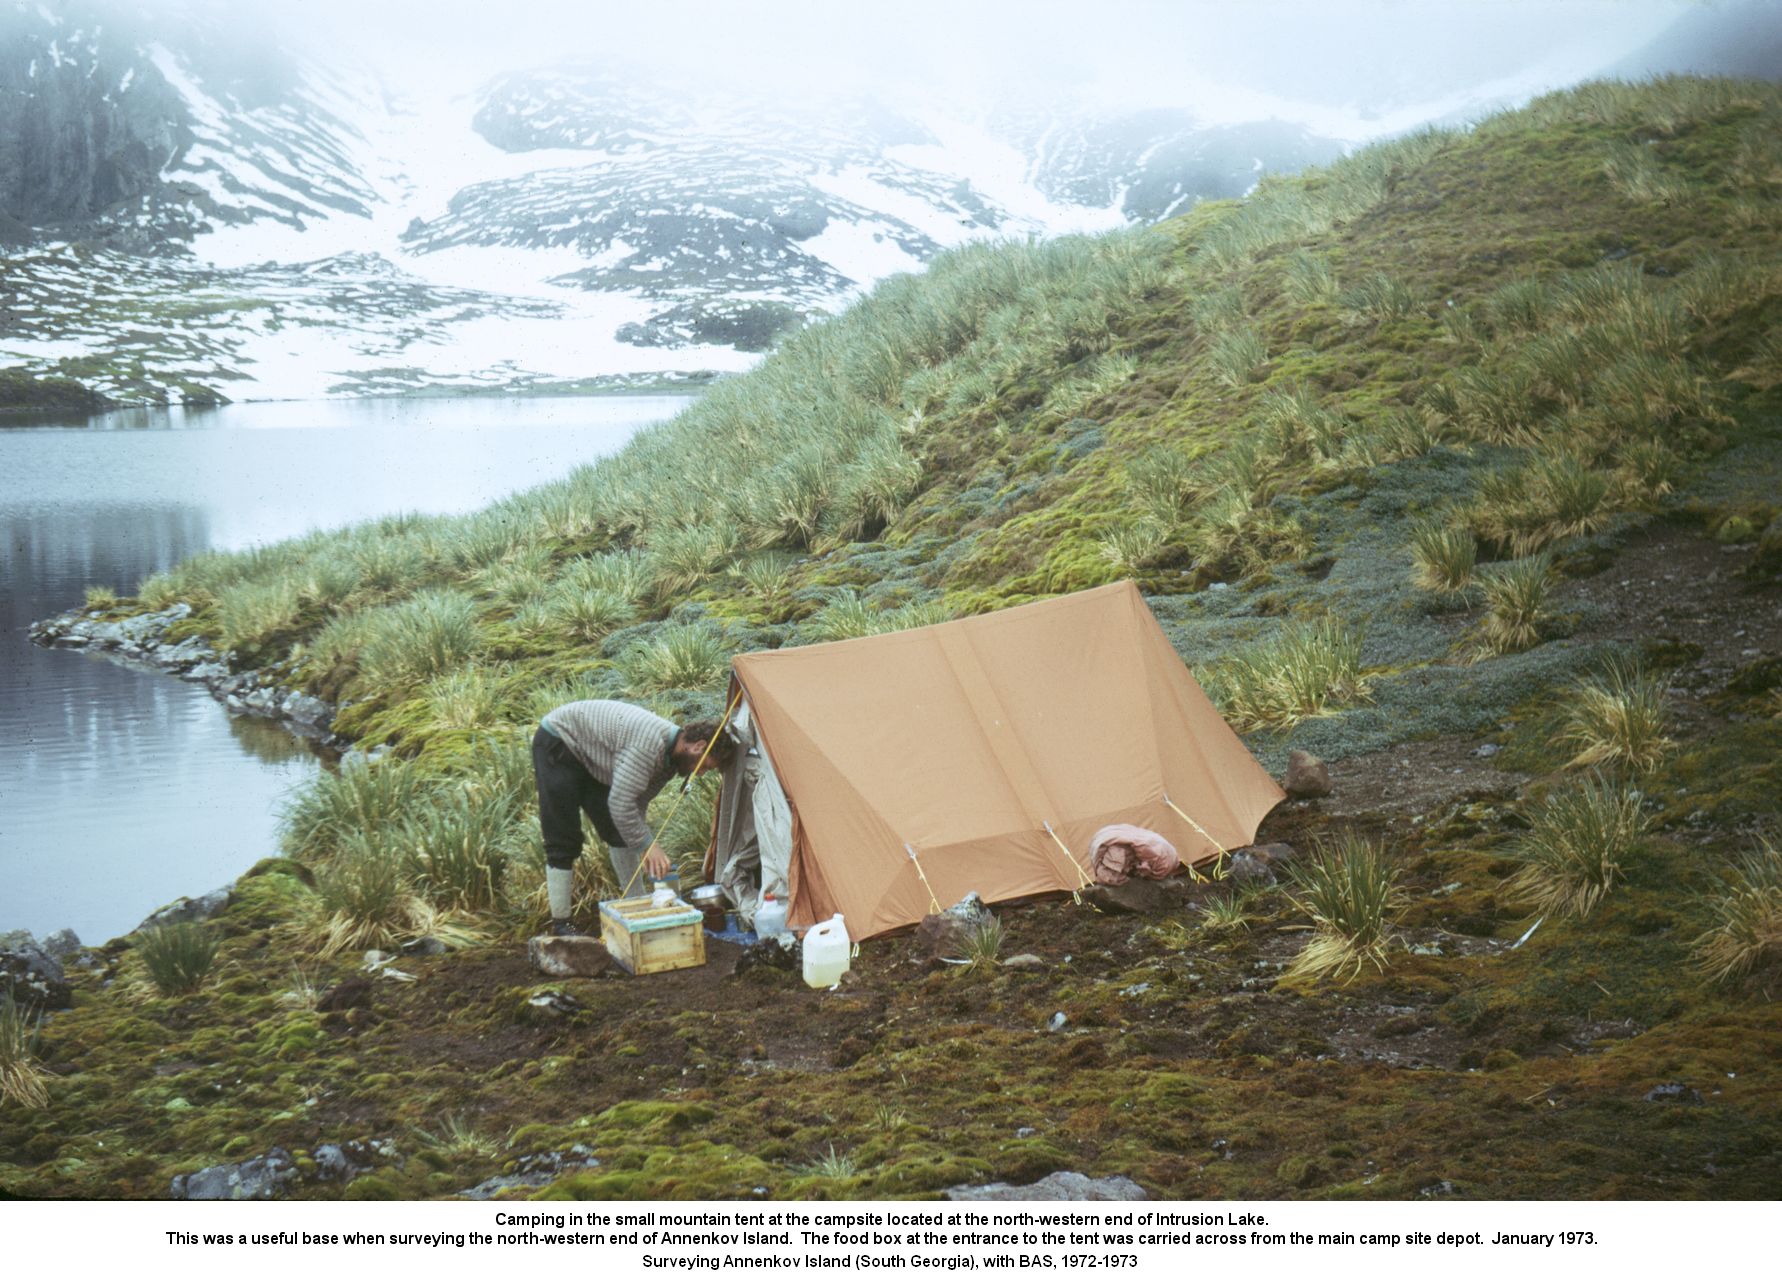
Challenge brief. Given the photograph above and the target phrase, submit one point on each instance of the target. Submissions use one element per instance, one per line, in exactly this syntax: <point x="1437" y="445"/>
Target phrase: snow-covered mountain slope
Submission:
<point x="189" y="209"/>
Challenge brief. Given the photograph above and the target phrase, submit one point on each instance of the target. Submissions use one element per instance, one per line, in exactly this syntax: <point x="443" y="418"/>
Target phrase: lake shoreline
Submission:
<point x="143" y="641"/>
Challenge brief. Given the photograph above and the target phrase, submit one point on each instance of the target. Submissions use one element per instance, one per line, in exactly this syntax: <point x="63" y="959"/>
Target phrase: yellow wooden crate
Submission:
<point x="643" y="937"/>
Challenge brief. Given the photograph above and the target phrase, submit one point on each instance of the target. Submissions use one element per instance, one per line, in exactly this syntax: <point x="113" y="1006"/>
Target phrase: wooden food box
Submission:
<point x="643" y="937"/>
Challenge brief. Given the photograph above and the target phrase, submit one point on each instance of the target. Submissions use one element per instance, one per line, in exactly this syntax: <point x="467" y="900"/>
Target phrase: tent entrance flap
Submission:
<point x="751" y="849"/>
<point x="883" y="776"/>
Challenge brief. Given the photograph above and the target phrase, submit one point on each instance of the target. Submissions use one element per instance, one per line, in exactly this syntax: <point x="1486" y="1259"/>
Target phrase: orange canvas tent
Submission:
<point x="981" y="755"/>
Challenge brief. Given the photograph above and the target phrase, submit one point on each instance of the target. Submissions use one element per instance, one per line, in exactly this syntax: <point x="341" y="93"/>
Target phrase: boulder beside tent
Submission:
<point x="889" y="776"/>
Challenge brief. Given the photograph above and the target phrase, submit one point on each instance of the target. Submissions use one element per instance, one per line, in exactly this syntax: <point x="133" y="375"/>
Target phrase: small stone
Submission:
<point x="1674" y="1092"/>
<point x="569" y="956"/>
<point x="947" y="932"/>
<point x="1135" y="897"/>
<point x="256" y="1180"/>
<point x="1308" y="778"/>
<point x="62" y="944"/>
<point x="1024" y="963"/>
<point x="1486" y="751"/>
<point x="354" y="992"/>
<point x="33" y="978"/>
<point x="552" y="1005"/>
<point x="1057" y="1022"/>
<point x="1022" y="1133"/>
<point x="1060" y="1186"/>
<point x="190" y="909"/>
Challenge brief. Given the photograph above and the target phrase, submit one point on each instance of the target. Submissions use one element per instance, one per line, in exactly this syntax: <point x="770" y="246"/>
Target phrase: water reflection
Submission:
<point x="122" y="789"/>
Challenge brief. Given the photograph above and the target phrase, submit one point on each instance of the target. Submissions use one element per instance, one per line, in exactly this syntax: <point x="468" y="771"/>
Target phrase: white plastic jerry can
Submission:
<point x="826" y="952"/>
<point x="770" y="917"/>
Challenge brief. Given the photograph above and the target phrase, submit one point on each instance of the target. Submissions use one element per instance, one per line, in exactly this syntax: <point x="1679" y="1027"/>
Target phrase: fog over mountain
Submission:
<point x="200" y="199"/>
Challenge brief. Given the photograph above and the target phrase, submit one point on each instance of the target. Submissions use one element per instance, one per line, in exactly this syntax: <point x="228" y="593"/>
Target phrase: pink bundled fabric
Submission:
<point x="1119" y="851"/>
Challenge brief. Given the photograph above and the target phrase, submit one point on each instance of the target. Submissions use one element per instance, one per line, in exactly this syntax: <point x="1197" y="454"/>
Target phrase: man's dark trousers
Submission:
<point x="566" y="790"/>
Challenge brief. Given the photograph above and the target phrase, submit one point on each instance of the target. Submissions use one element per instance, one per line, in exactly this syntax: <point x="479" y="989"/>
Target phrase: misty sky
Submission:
<point x="1334" y="52"/>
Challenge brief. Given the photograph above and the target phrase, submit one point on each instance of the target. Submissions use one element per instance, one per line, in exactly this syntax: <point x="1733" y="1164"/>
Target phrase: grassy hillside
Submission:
<point x="1457" y="463"/>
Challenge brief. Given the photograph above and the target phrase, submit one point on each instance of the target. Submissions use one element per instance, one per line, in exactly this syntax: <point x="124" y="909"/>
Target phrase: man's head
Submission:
<point x="695" y="737"/>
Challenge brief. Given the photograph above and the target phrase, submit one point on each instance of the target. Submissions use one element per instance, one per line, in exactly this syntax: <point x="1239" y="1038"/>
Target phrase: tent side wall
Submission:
<point x="964" y="742"/>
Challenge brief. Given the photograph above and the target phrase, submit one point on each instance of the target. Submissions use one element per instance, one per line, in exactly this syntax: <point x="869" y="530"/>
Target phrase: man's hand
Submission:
<point x="656" y="863"/>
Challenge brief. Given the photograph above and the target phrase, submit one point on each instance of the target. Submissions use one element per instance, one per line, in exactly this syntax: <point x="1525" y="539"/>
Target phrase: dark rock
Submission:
<point x="189" y="909"/>
<point x="947" y="932"/>
<point x="256" y="1180"/>
<point x="354" y="992"/>
<point x="1135" y="897"/>
<point x="308" y="710"/>
<point x="569" y="956"/>
<point x="1674" y="1092"/>
<point x="773" y="954"/>
<point x="62" y="945"/>
<point x="32" y="977"/>
<point x="1024" y="963"/>
<point x="551" y="1005"/>
<point x="352" y="1158"/>
<point x="1060" y="1186"/>
<point x="1308" y="778"/>
<point x="532" y="1170"/>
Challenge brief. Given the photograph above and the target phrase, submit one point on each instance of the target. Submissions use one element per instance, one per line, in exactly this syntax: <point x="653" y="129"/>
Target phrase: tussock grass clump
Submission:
<point x="1616" y="719"/>
<point x="1295" y="422"/>
<point x="681" y="657"/>
<point x="417" y="639"/>
<point x="470" y="698"/>
<point x="1310" y="279"/>
<point x="357" y="798"/>
<point x="454" y="847"/>
<point x="1226" y="913"/>
<point x="456" y="1137"/>
<point x="850" y="615"/>
<point x="250" y="613"/>
<point x="1350" y="892"/>
<point x="101" y="598"/>
<point x="366" y="898"/>
<point x="584" y="614"/>
<point x="1443" y="557"/>
<point x="1636" y="173"/>
<point x="981" y="947"/>
<point x="1546" y="501"/>
<point x="1165" y="482"/>
<point x="833" y="1166"/>
<point x="1746" y="911"/>
<point x="178" y="957"/>
<point x="1521" y="305"/>
<point x="1516" y="600"/>
<point x="1096" y="379"/>
<point x="1131" y="547"/>
<point x="1573" y="852"/>
<point x="1238" y="357"/>
<point x="21" y="1076"/>
<point x="1382" y="296"/>
<point x="1218" y="309"/>
<point x="685" y="557"/>
<point x="767" y="577"/>
<point x="1310" y="669"/>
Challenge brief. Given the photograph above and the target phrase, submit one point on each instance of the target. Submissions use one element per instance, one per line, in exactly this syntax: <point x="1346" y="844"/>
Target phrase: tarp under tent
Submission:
<point x="885" y="776"/>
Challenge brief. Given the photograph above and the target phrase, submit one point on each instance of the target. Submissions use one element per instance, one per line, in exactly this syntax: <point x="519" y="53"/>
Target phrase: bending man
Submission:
<point x="609" y="760"/>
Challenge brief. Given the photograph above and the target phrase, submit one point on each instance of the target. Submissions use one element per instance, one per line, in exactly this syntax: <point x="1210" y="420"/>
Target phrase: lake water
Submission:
<point x="122" y="789"/>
